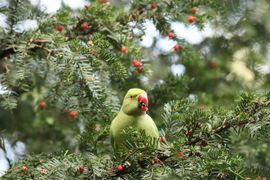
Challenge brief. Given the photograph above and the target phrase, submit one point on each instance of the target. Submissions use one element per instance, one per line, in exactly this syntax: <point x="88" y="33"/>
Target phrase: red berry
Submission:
<point x="194" y="10"/>
<point x="162" y="139"/>
<point x="102" y="1"/>
<point x="136" y="63"/>
<point x="123" y="49"/>
<point x="259" y="178"/>
<point x="60" y="28"/>
<point x="120" y="168"/>
<point x="177" y="48"/>
<point x="73" y="114"/>
<point x="191" y="19"/>
<point x="23" y="168"/>
<point x="81" y="169"/>
<point x="42" y="104"/>
<point x="189" y="133"/>
<point x="181" y="154"/>
<point x="154" y="5"/>
<point x="247" y="178"/>
<point x="85" y="26"/>
<point x="140" y="69"/>
<point x="171" y="35"/>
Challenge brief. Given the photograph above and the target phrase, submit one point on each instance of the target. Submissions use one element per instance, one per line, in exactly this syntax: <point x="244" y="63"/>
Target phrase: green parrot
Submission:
<point x="133" y="114"/>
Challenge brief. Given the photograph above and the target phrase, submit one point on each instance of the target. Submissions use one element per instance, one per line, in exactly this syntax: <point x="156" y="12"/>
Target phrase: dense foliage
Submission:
<point x="66" y="80"/>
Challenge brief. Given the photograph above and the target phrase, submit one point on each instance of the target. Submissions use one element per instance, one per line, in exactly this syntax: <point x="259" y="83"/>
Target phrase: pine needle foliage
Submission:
<point x="191" y="151"/>
<point x="73" y="62"/>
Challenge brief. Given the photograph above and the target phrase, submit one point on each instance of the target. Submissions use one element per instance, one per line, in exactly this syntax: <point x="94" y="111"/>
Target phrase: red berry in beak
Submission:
<point x="143" y="102"/>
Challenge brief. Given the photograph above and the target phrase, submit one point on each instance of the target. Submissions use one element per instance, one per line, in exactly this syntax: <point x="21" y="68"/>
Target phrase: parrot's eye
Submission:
<point x="131" y="97"/>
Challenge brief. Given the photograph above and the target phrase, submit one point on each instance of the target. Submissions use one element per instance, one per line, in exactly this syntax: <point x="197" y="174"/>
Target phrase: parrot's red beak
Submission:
<point x="143" y="102"/>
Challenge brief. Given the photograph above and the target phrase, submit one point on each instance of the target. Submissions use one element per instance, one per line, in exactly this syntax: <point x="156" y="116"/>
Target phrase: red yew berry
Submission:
<point x="171" y="35"/>
<point x="60" y="28"/>
<point x="73" y="114"/>
<point x="162" y="139"/>
<point x="85" y="26"/>
<point x="181" y="154"/>
<point x="102" y="1"/>
<point x="81" y="169"/>
<point x="259" y="178"/>
<point x="154" y="5"/>
<point x="42" y="104"/>
<point x="120" y="168"/>
<point x="23" y="168"/>
<point x="136" y="63"/>
<point x="189" y="133"/>
<point x="191" y="19"/>
<point x="123" y="49"/>
<point x="177" y="48"/>
<point x="140" y="69"/>
<point x="247" y="178"/>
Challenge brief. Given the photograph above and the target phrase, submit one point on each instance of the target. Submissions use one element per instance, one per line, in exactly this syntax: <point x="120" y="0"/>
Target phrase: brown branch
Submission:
<point x="39" y="40"/>
<point x="227" y="125"/>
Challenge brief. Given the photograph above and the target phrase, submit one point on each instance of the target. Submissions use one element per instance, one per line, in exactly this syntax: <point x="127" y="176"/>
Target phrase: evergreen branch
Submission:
<point x="220" y="129"/>
<point x="12" y="15"/>
<point x="227" y="125"/>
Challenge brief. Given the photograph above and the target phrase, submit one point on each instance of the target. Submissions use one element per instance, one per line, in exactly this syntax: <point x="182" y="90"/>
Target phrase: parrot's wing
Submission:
<point x="154" y="129"/>
<point x="148" y="125"/>
<point x="115" y="130"/>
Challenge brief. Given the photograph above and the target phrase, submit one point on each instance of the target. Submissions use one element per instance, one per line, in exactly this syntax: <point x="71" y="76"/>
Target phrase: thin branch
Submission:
<point x="222" y="128"/>
<point x="227" y="125"/>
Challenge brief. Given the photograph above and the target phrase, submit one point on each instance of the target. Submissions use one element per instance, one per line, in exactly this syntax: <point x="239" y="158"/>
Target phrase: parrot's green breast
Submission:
<point x="122" y="121"/>
<point x="133" y="114"/>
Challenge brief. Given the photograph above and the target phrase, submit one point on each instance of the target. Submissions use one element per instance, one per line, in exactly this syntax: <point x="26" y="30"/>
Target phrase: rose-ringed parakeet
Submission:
<point x="133" y="114"/>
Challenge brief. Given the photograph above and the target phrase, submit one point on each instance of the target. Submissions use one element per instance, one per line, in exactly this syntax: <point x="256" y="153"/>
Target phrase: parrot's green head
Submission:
<point x="135" y="102"/>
